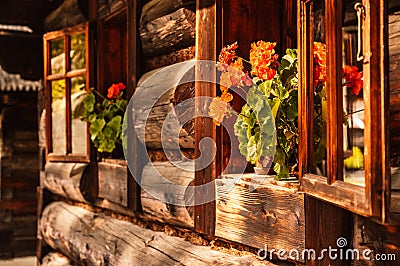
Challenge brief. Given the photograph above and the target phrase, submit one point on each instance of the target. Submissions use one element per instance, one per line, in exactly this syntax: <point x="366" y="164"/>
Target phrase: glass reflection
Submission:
<point x="57" y="56"/>
<point x="78" y="127"/>
<point x="58" y="107"/>
<point x="78" y="51"/>
<point x="319" y="84"/>
<point x="353" y="102"/>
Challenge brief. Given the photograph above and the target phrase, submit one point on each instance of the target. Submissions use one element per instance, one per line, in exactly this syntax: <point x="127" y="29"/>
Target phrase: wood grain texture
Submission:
<point x="206" y="30"/>
<point x="94" y="239"/>
<point x="325" y="223"/>
<point x="134" y="70"/>
<point x="173" y="57"/>
<point x="157" y="97"/>
<point x="270" y="215"/>
<point x="158" y="8"/>
<point x="173" y="31"/>
<point x="334" y="138"/>
<point x="113" y="179"/>
<point x="65" y="179"/>
<point x="166" y="192"/>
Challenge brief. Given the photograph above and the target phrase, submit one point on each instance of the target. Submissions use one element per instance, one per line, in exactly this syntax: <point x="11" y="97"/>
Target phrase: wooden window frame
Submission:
<point x="67" y="75"/>
<point x="373" y="199"/>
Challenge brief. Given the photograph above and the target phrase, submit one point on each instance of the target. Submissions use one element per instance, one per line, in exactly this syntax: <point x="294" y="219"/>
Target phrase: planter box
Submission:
<point x="261" y="213"/>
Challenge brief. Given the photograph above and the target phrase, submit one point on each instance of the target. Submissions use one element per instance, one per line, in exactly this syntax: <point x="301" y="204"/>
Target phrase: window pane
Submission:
<point x="78" y="127"/>
<point x="353" y="102"/>
<point x="58" y="104"/>
<point x="57" y="56"/>
<point x="319" y="83"/>
<point x="78" y="51"/>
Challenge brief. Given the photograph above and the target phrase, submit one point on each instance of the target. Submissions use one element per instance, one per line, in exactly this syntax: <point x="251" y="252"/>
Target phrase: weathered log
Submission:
<point x="65" y="179"/>
<point x="173" y="57"/>
<point x="158" y="8"/>
<point x="113" y="182"/>
<point x="109" y="7"/>
<point x="270" y="215"/>
<point x="158" y="94"/>
<point x="66" y="15"/>
<point x="167" y="26"/>
<point x="94" y="239"/>
<point x="165" y="191"/>
<point x="56" y="259"/>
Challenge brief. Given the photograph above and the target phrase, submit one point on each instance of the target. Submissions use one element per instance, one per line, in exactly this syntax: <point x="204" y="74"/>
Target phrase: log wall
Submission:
<point x="90" y="238"/>
<point x="19" y="173"/>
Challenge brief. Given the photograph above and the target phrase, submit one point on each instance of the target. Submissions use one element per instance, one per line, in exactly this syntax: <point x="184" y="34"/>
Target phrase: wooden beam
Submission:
<point x="204" y="128"/>
<point x="135" y="161"/>
<point x="325" y="224"/>
<point x="334" y="137"/>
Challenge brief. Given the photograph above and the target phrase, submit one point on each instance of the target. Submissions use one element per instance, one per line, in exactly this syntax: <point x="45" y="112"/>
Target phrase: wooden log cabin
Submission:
<point x="103" y="209"/>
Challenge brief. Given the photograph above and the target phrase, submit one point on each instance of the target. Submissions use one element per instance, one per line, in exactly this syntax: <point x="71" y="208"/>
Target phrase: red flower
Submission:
<point x="226" y="56"/>
<point x="115" y="90"/>
<point x="353" y="78"/>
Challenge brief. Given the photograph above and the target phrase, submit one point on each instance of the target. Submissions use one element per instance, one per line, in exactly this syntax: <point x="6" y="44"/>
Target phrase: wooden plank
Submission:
<point x="134" y="70"/>
<point x="269" y="216"/>
<point x="113" y="183"/>
<point x="204" y="128"/>
<point x="334" y="143"/>
<point x="325" y="223"/>
<point x="97" y="239"/>
<point x="306" y="91"/>
<point x="376" y="94"/>
<point x="346" y="195"/>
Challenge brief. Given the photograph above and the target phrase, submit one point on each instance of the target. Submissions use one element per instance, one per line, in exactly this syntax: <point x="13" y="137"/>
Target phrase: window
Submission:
<point x="66" y="56"/>
<point x="342" y="95"/>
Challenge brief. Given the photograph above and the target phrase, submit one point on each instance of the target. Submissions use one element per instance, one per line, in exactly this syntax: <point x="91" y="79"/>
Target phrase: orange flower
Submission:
<point x="115" y="90"/>
<point x="226" y="97"/>
<point x="262" y="59"/>
<point x="319" y="65"/>
<point x="353" y="78"/>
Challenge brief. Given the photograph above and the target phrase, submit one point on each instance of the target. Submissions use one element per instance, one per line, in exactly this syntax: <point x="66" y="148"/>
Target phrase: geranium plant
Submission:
<point x="270" y="85"/>
<point x="105" y="117"/>
<point x="273" y="85"/>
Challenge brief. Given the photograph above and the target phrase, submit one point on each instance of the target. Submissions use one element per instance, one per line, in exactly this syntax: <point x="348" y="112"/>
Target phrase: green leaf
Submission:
<point x="89" y="102"/>
<point x="275" y="106"/>
<point x="96" y="127"/>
